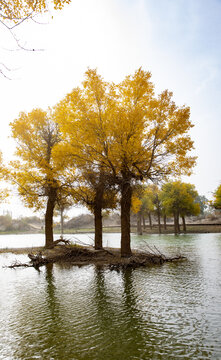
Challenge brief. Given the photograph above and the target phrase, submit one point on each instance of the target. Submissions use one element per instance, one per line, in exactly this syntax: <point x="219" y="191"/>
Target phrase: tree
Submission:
<point x="217" y="198"/>
<point x="203" y="203"/>
<point x="64" y="202"/>
<point x="148" y="202"/>
<point x="6" y="222"/>
<point x="94" y="191"/>
<point x="38" y="174"/>
<point x="149" y="141"/>
<point x="129" y="133"/>
<point x="3" y="174"/>
<point x="179" y="199"/>
<point x="84" y="116"/>
<point x="157" y="204"/>
<point x="15" y="12"/>
<point x="136" y="207"/>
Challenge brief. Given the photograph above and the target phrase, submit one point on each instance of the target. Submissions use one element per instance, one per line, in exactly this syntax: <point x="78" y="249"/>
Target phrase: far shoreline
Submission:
<point x="190" y="228"/>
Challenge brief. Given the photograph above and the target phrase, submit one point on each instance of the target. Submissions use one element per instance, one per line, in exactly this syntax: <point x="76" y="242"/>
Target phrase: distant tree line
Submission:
<point x="22" y="224"/>
<point x="174" y="199"/>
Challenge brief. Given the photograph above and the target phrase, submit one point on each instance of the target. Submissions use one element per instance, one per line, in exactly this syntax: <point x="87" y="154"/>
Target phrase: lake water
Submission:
<point x="64" y="312"/>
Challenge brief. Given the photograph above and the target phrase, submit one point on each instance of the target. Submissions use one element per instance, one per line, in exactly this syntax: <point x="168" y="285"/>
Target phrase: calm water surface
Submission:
<point x="163" y="312"/>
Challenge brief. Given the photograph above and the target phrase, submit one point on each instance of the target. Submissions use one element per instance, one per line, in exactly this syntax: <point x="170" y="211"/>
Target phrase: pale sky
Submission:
<point x="179" y="41"/>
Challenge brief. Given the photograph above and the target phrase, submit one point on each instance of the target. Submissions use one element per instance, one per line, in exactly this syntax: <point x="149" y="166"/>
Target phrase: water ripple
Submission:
<point x="169" y="312"/>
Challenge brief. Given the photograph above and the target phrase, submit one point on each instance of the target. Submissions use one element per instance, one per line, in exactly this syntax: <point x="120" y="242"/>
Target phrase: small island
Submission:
<point x="79" y="256"/>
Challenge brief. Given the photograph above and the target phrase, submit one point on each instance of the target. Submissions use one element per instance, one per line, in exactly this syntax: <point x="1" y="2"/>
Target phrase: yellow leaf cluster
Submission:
<point x="217" y="198"/>
<point x="135" y="204"/>
<point x="16" y="10"/>
<point x="126" y="128"/>
<point x="40" y="166"/>
<point x="180" y="197"/>
<point x="3" y="175"/>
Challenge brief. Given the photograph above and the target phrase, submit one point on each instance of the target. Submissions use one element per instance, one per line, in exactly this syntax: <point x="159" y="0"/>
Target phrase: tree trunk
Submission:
<point x="175" y="224"/>
<point x="139" y="224"/>
<point x="144" y="224"/>
<point x="165" y="222"/>
<point x="98" y="243"/>
<point x="98" y="227"/>
<point x="62" y="222"/>
<point x="49" y="238"/>
<point x="126" y="194"/>
<point x="150" y="220"/>
<point x="158" y="217"/>
<point x="178" y="223"/>
<point x="184" y="224"/>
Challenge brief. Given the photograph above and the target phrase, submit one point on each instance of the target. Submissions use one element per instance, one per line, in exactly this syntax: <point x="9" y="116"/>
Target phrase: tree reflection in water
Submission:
<point x="90" y="313"/>
<point x="118" y="317"/>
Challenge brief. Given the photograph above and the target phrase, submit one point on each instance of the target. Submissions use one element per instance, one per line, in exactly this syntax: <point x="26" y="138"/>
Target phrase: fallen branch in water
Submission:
<point x="36" y="261"/>
<point x="18" y="264"/>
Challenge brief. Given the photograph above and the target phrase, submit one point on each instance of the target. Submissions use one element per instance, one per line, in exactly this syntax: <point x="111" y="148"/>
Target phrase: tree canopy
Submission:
<point x="179" y="199"/>
<point x="13" y="12"/>
<point x="127" y="132"/>
<point x="217" y="198"/>
<point x="3" y="172"/>
<point x="38" y="173"/>
<point x="84" y="117"/>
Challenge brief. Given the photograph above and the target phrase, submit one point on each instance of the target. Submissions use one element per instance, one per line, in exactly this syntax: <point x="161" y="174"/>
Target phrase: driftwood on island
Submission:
<point x="57" y="242"/>
<point x="110" y="258"/>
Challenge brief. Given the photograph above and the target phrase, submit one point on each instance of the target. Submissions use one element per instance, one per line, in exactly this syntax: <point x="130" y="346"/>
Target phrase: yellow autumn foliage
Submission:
<point x="126" y="128"/>
<point x="38" y="168"/>
<point x="4" y="193"/>
<point x="135" y="204"/>
<point x="216" y="203"/>
<point x="17" y="10"/>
